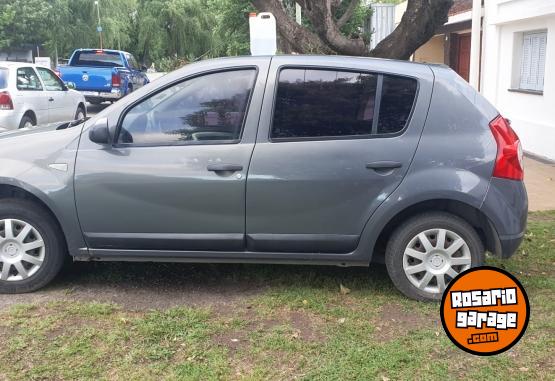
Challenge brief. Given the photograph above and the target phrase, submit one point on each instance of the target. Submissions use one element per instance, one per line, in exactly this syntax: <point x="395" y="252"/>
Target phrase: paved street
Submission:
<point x="95" y="109"/>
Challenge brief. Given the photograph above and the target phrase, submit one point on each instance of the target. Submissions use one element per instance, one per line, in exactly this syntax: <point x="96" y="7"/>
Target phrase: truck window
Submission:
<point x="97" y="58"/>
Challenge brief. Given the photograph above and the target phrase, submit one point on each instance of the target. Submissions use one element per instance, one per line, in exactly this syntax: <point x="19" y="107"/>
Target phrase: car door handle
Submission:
<point x="50" y="99"/>
<point x="224" y="167"/>
<point x="383" y="165"/>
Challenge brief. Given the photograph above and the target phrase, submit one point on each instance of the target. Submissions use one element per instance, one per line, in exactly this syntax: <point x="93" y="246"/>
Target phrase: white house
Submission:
<point x="518" y="68"/>
<point x="505" y="49"/>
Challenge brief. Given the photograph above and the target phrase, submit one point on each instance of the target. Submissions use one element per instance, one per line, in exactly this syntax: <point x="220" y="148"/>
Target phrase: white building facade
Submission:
<point x="518" y="68"/>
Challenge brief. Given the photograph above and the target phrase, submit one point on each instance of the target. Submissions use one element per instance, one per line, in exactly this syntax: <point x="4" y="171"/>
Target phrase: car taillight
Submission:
<point x="508" y="163"/>
<point x="5" y="101"/>
<point x="116" y="80"/>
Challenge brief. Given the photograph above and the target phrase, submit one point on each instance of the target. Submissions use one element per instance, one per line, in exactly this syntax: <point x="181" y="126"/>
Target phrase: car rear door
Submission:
<point x="336" y="137"/>
<point x="175" y="179"/>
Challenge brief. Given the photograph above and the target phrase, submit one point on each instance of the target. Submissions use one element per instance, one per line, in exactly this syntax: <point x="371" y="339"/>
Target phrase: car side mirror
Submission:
<point x="70" y="85"/>
<point x="99" y="133"/>
<point x="144" y="68"/>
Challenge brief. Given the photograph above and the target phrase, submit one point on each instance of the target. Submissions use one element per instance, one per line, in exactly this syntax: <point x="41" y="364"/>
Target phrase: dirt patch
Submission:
<point x="394" y="321"/>
<point x="145" y="286"/>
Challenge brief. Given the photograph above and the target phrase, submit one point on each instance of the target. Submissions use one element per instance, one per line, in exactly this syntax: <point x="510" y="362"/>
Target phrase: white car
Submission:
<point x="31" y="95"/>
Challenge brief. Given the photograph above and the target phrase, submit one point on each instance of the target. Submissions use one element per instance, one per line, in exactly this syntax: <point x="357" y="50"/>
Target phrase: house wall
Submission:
<point x="531" y="115"/>
<point x="432" y="51"/>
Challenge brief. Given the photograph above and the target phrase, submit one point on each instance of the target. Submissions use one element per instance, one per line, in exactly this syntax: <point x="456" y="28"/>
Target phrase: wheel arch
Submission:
<point x="31" y="114"/>
<point x="472" y="215"/>
<point x="20" y="191"/>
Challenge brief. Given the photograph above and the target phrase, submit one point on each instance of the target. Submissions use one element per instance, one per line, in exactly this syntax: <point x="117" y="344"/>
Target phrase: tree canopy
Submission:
<point x="172" y="31"/>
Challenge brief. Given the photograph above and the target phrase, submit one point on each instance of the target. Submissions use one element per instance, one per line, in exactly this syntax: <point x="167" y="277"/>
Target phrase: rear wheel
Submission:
<point x="32" y="248"/>
<point x="428" y="251"/>
<point x="81" y="113"/>
<point x="27" y="122"/>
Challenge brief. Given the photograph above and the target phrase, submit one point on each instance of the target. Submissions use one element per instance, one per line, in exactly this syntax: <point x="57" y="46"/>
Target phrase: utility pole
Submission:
<point x="98" y="28"/>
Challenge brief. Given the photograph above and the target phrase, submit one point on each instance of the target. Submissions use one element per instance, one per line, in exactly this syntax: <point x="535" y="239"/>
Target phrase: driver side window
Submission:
<point x="206" y="109"/>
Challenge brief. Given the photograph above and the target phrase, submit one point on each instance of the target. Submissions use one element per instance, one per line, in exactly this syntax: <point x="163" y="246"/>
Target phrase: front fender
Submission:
<point x="41" y="162"/>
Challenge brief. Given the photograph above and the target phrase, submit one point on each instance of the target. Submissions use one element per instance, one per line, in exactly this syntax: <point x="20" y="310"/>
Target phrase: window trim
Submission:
<point x="374" y="134"/>
<point x="36" y="73"/>
<point x="116" y="144"/>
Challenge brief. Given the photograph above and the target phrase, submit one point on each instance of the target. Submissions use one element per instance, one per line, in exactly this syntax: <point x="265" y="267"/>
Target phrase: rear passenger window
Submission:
<point x="398" y="95"/>
<point x="323" y="103"/>
<point x="326" y="104"/>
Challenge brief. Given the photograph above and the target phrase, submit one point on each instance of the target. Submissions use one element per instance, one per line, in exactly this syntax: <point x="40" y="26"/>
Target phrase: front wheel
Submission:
<point x="32" y="248"/>
<point x="428" y="251"/>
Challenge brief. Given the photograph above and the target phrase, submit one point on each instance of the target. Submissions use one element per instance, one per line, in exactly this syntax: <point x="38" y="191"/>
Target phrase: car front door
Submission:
<point x="332" y="144"/>
<point x="175" y="178"/>
<point x="61" y="104"/>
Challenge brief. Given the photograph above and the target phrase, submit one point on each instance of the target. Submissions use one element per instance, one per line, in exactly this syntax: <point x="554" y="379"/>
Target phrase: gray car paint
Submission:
<point x="453" y="150"/>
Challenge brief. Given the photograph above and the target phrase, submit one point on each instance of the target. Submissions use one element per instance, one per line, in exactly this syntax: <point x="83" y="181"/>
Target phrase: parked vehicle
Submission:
<point x="32" y="95"/>
<point x="103" y="75"/>
<point x="291" y="159"/>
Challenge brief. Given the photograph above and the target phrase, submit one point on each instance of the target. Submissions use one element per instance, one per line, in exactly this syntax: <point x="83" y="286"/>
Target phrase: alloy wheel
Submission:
<point x="22" y="250"/>
<point x="434" y="257"/>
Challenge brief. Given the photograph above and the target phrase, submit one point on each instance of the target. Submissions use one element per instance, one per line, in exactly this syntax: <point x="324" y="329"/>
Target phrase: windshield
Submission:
<point x="97" y="58"/>
<point x="3" y="78"/>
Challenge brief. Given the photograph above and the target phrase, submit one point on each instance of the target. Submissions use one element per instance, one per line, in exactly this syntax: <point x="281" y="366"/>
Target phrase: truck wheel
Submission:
<point x="81" y="113"/>
<point x="32" y="247"/>
<point x="428" y="251"/>
<point x="27" y="122"/>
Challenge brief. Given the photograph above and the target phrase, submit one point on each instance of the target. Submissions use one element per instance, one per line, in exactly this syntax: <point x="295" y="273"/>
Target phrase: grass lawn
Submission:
<point x="299" y="326"/>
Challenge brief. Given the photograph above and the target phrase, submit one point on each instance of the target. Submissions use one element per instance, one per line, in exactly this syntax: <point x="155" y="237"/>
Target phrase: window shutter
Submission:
<point x="532" y="68"/>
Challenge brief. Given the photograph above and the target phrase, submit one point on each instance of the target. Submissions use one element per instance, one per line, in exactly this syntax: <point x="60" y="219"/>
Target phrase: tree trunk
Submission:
<point x="419" y="23"/>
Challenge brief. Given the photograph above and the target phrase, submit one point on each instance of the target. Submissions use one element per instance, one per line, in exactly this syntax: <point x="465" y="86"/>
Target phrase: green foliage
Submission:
<point x="22" y="22"/>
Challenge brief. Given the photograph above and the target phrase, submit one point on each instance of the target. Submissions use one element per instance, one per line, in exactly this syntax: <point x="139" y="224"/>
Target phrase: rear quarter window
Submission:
<point x="3" y="78"/>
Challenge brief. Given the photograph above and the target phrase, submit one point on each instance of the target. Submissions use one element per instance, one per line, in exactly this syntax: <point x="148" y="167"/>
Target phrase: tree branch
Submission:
<point x="327" y="29"/>
<point x="419" y="23"/>
<point x="346" y="16"/>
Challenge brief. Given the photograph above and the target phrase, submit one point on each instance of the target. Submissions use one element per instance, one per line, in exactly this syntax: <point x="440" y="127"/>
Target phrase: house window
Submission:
<point x="532" y="63"/>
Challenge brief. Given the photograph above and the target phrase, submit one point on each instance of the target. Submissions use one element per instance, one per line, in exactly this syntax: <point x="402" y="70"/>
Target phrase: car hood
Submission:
<point x="40" y="143"/>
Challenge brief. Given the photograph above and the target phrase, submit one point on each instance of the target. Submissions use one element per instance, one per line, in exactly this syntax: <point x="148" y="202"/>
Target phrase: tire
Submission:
<point x="432" y="258"/>
<point x="26" y="120"/>
<point x="52" y="253"/>
<point x="81" y="113"/>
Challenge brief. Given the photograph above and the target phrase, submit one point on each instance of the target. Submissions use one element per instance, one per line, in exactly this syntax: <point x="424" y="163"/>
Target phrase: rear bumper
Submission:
<point x="9" y="120"/>
<point x="114" y="94"/>
<point x="506" y="206"/>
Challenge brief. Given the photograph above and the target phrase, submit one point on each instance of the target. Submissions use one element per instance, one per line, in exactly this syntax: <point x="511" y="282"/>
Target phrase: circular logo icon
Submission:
<point x="85" y="77"/>
<point x="485" y="311"/>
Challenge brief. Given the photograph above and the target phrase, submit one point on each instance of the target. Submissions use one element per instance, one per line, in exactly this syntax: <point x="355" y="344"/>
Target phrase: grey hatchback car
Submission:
<point x="287" y="159"/>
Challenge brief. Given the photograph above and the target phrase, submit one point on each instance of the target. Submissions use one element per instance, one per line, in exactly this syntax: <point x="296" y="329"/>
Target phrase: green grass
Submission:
<point x="301" y="326"/>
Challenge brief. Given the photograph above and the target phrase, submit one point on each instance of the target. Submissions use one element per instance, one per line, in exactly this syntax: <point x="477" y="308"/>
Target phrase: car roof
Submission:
<point x="13" y="64"/>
